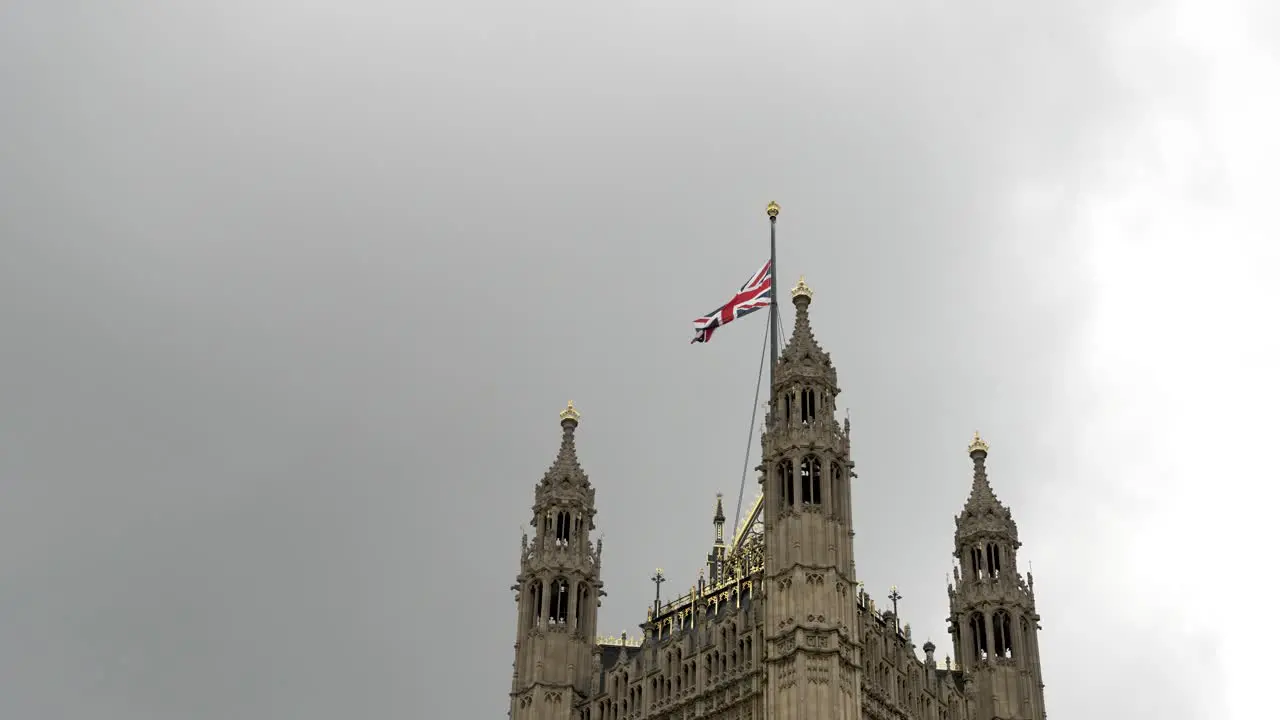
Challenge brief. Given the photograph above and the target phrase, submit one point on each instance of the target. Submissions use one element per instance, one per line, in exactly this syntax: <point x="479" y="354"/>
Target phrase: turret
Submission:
<point x="811" y="620"/>
<point x="994" y="625"/>
<point x="558" y="590"/>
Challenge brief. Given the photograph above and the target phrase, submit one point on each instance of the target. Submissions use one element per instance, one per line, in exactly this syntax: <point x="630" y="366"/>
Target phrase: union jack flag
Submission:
<point x="755" y="294"/>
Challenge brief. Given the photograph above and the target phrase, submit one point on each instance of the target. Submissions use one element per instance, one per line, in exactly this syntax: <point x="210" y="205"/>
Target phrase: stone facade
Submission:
<point x="778" y="626"/>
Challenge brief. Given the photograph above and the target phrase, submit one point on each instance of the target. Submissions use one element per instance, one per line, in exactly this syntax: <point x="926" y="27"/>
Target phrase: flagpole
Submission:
<point x="772" y="330"/>
<point x="772" y="210"/>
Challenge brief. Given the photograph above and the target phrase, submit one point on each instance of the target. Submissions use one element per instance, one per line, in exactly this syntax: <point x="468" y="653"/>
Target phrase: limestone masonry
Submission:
<point x="778" y="626"/>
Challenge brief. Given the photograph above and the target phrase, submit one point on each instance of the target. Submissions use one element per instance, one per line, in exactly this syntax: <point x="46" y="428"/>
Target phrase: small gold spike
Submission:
<point x="570" y="413"/>
<point x="978" y="444"/>
<point x="802" y="288"/>
<point x="773" y="209"/>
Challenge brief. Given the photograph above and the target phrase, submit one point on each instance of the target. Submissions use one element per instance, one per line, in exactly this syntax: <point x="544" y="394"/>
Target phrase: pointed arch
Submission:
<point x="811" y="481"/>
<point x="1026" y="634"/>
<point x="978" y="635"/>
<point x="559" y="611"/>
<point x="993" y="559"/>
<point x="1002" y="632"/>
<point x="808" y="405"/>
<point x="584" y="597"/>
<point x="786" y="483"/>
<point x="533" y="609"/>
<point x="564" y="524"/>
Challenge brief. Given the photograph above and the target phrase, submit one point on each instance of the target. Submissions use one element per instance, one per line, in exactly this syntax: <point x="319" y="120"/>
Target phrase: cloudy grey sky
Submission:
<point x="292" y="292"/>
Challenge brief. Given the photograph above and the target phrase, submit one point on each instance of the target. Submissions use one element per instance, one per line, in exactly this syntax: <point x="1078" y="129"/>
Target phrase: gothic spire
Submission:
<point x="565" y="481"/>
<point x="718" y="520"/>
<point x="983" y="510"/>
<point x="716" y="558"/>
<point x="566" y="466"/>
<point x="802" y="349"/>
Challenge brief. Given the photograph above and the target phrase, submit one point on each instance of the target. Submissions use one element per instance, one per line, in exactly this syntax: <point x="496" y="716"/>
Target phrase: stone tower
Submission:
<point x="993" y="623"/>
<point x="558" y="591"/>
<point x="811" y="621"/>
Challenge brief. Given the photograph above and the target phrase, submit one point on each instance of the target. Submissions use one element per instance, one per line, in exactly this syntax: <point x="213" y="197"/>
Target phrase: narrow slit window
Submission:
<point x="584" y="596"/>
<point x="811" y="481"/>
<point x="1002" y="628"/>
<point x="559" y="602"/>
<point x="786" y="484"/>
<point x="978" y="629"/>
<point x="535" y="603"/>
<point x="562" y="528"/>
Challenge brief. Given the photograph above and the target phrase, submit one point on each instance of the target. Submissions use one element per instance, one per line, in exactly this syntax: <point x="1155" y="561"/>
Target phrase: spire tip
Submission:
<point x="801" y="290"/>
<point x="773" y="209"/>
<point x="978" y="445"/>
<point x="570" y="414"/>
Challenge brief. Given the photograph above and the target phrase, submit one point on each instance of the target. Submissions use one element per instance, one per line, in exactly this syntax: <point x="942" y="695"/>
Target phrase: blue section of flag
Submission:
<point x="756" y="293"/>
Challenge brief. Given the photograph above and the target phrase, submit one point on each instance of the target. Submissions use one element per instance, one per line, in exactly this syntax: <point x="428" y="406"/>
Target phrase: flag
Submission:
<point x="755" y="294"/>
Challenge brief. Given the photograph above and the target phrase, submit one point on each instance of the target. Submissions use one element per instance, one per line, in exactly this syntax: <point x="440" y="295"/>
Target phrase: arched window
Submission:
<point x="993" y="559"/>
<point x="811" y="481"/>
<point x="808" y="408"/>
<point x="786" y="483"/>
<point x="978" y="631"/>
<point x="559" y="602"/>
<point x="584" y="597"/>
<point x="975" y="560"/>
<point x="534" y="607"/>
<point x="786" y="407"/>
<point x="837" y="472"/>
<point x="563" y="525"/>
<point x="1002" y="629"/>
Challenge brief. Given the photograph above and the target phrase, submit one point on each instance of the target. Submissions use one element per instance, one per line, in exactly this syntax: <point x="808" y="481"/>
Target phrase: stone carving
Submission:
<point x="727" y="648"/>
